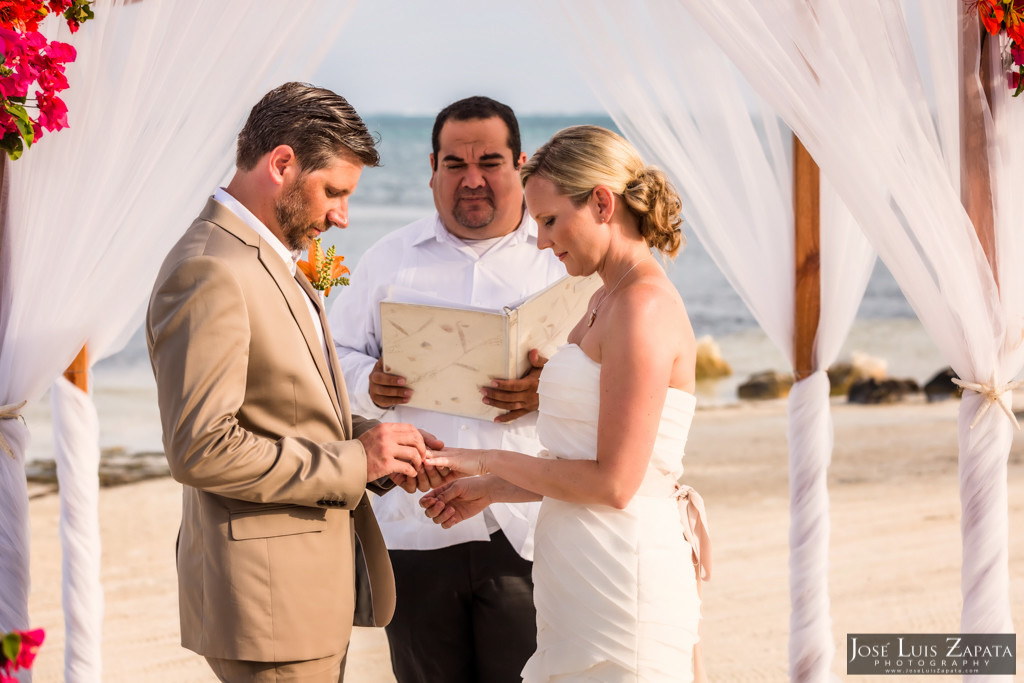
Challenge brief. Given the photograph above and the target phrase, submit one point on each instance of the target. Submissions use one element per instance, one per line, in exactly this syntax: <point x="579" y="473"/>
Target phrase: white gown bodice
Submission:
<point x="570" y="394"/>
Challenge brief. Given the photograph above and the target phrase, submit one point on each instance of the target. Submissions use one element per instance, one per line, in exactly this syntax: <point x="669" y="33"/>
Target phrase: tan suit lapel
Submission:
<point x="217" y="213"/>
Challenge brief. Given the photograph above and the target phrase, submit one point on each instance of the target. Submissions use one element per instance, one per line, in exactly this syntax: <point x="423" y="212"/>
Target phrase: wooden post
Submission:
<point x="78" y="372"/>
<point x="3" y="211"/>
<point x="975" y="176"/>
<point x="807" y="225"/>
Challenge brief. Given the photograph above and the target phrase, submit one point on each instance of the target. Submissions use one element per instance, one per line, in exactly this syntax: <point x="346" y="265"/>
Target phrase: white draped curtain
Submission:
<point x="843" y="75"/>
<point x="157" y="95"/>
<point x="680" y="100"/>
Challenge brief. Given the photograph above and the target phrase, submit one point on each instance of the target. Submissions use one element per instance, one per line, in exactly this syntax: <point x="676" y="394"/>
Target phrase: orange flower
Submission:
<point x="991" y="14"/>
<point x="306" y="269"/>
<point x="324" y="270"/>
<point x="1014" y="21"/>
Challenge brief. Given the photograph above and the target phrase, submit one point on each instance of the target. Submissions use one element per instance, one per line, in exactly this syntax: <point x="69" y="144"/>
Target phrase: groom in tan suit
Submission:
<point x="255" y="414"/>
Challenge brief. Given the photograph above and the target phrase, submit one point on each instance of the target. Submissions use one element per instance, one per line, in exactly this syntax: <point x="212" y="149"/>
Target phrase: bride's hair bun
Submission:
<point x="579" y="158"/>
<point x="653" y="199"/>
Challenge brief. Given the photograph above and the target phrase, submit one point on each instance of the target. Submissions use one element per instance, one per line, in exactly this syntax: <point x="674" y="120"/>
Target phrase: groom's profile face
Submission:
<point x="314" y="202"/>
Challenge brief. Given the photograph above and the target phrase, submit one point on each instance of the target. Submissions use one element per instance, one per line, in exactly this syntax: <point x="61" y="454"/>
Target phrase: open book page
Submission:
<point x="546" y="318"/>
<point x="446" y="354"/>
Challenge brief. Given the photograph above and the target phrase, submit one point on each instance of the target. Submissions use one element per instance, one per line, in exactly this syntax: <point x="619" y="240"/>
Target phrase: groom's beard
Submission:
<point x="291" y="213"/>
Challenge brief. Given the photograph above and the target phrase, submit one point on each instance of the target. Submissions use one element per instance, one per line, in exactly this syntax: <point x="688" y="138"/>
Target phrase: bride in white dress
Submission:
<point x="616" y="584"/>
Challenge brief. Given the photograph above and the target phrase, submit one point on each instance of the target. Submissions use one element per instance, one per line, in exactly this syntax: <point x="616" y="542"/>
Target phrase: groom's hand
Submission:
<point x="387" y="390"/>
<point x="429" y="477"/>
<point x="392" y="447"/>
<point x="517" y="396"/>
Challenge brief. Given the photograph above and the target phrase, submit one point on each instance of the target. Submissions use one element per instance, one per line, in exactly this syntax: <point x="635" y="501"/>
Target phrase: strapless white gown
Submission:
<point x="615" y="589"/>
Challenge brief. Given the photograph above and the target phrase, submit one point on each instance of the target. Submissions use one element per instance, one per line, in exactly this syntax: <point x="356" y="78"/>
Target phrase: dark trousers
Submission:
<point x="465" y="614"/>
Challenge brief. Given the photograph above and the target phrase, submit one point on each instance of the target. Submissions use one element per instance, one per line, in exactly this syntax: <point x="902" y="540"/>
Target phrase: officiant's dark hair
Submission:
<point x="478" y="107"/>
<point x="316" y="123"/>
<point x="579" y="158"/>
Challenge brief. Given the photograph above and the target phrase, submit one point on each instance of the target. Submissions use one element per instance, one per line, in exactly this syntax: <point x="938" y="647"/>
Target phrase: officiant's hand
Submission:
<point x="387" y="390"/>
<point x="393" y="447"/>
<point x="456" y="501"/>
<point x="517" y="396"/>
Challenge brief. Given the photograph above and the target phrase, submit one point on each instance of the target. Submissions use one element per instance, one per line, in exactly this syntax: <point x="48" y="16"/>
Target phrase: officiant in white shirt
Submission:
<point x="465" y="596"/>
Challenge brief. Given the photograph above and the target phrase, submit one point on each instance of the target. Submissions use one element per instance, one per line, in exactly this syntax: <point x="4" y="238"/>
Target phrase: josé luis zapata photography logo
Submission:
<point x="931" y="653"/>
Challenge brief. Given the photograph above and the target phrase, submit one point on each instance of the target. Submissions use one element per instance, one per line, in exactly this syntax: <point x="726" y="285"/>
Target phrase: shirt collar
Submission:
<point x="525" y="232"/>
<point x="236" y="207"/>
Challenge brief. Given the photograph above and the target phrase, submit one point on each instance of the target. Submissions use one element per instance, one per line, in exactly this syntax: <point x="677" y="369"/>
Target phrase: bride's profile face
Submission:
<point x="571" y="232"/>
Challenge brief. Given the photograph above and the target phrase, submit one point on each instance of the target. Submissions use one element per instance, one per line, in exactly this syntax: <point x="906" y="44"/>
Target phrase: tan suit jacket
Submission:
<point x="261" y="436"/>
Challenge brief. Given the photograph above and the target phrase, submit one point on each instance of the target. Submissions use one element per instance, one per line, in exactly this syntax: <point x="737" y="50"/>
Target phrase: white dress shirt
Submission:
<point x="289" y="257"/>
<point x="426" y="258"/>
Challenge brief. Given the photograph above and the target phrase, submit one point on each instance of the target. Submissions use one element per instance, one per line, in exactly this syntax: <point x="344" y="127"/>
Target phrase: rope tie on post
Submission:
<point x="10" y="412"/>
<point x="994" y="394"/>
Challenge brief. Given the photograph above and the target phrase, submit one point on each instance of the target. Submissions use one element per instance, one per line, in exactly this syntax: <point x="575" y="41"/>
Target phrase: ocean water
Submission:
<point x="398" y="193"/>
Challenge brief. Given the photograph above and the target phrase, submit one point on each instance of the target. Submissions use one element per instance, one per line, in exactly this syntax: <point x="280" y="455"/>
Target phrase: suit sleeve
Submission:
<point x="198" y="333"/>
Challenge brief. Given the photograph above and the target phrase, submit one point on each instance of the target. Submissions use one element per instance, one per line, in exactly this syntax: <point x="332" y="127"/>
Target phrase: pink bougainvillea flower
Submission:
<point x="53" y="81"/>
<point x="53" y="113"/>
<point x="16" y="85"/>
<point x="11" y="43"/>
<point x="1017" y="53"/>
<point x="35" y="40"/>
<point x="33" y="65"/>
<point x="30" y="642"/>
<point x="61" y="52"/>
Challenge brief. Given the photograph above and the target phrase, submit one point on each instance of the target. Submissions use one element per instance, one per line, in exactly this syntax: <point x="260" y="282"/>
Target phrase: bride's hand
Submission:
<point x="466" y="461"/>
<point x="456" y="501"/>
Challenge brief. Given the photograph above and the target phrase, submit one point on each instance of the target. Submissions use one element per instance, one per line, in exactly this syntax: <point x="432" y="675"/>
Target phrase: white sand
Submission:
<point x="895" y="548"/>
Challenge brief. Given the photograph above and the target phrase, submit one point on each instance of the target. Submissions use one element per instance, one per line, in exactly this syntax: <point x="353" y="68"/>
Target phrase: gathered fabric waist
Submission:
<point x="692" y="515"/>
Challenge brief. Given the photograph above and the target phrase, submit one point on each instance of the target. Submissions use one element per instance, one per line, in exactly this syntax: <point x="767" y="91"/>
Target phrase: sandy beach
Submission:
<point x="895" y="547"/>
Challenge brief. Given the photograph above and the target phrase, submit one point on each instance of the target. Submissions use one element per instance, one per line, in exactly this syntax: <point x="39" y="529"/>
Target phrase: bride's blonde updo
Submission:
<point x="579" y="158"/>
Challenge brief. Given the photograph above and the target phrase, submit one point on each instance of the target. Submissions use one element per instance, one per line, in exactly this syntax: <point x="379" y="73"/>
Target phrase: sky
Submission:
<point x="416" y="56"/>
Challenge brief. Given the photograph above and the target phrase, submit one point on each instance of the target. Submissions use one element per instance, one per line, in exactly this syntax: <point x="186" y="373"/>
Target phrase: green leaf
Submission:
<point x="1020" y="83"/>
<point x="18" y="112"/>
<point x="22" y="121"/>
<point x="11" y="646"/>
<point x="13" y="145"/>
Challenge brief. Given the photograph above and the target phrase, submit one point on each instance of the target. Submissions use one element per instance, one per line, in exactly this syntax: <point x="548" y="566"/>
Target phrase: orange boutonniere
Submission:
<point x="324" y="270"/>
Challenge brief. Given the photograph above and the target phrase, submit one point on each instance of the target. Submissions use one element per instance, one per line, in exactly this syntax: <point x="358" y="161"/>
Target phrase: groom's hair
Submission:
<point x="316" y="123"/>
<point x="473" y="108"/>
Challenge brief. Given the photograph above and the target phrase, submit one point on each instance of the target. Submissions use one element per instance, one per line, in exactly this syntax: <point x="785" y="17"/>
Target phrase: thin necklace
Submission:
<point x="593" y="313"/>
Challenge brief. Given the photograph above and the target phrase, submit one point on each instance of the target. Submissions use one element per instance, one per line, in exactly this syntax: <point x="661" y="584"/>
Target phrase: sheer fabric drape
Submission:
<point x="844" y="77"/>
<point x="158" y="92"/>
<point x="678" y="98"/>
